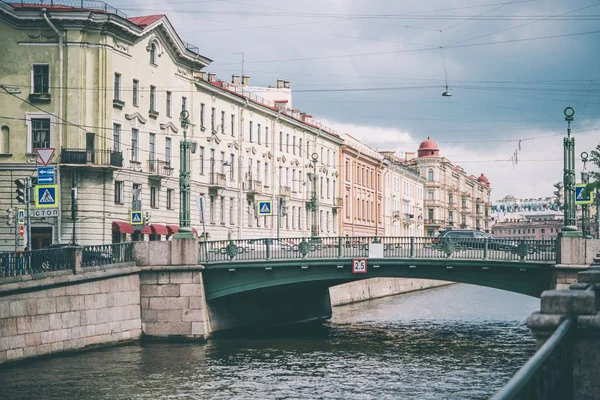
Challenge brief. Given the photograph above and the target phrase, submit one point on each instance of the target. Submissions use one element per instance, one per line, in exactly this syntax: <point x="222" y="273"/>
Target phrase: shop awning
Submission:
<point x="123" y="227"/>
<point x="171" y="229"/>
<point x="195" y="231"/>
<point x="159" y="229"/>
<point x="146" y="231"/>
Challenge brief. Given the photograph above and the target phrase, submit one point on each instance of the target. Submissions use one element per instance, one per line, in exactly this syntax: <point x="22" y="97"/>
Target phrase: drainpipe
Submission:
<point x="60" y="114"/>
<point x="242" y="206"/>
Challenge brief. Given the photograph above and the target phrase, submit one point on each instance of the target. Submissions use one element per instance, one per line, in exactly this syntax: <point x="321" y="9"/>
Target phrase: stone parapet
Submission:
<point x="577" y="250"/>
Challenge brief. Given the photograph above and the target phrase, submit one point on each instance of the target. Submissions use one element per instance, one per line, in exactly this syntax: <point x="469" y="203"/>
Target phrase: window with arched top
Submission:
<point x="430" y="174"/>
<point x="153" y="53"/>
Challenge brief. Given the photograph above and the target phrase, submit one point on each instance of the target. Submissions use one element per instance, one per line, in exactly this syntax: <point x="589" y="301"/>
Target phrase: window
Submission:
<point x="40" y="133"/>
<point x="134" y="144"/>
<point x="267" y="181"/>
<point x="201" y="153"/>
<point x="152" y="99"/>
<point x="231" y="166"/>
<point x="117" y="88"/>
<point x="136" y="193"/>
<point x="153" y="197"/>
<point x="430" y="213"/>
<point x="250" y="132"/>
<point x="116" y="137"/>
<point x="258" y="133"/>
<point x="430" y="174"/>
<point x="294" y="145"/>
<point x="231" y="212"/>
<point x="118" y="192"/>
<point x="41" y="78"/>
<point x="153" y="53"/>
<point x="300" y="147"/>
<point x="222" y="210"/>
<point x="266" y="136"/>
<point x="152" y="149"/>
<point x="212" y="209"/>
<point x="213" y="117"/>
<point x="223" y="162"/>
<point x="233" y="125"/>
<point x="168" y="152"/>
<point x="202" y="116"/>
<point x="430" y="195"/>
<point x="136" y="92"/>
<point x="169" y="199"/>
<point x="308" y="148"/>
<point x="287" y="143"/>
<point x="223" y="122"/>
<point x="169" y="104"/>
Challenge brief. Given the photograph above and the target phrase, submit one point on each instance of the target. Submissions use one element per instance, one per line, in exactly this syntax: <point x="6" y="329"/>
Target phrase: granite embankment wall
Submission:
<point x="368" y="289"/>
<point x="62" y="314"/>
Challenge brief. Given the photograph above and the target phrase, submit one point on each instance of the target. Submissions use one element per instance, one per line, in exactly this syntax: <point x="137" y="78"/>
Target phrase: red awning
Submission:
<point x="195" y="231"/>
<point x="146" y="231"/>
<point x="159" y="229"/>
<point x="123" y="227"/>
<point x="171" y="229"/>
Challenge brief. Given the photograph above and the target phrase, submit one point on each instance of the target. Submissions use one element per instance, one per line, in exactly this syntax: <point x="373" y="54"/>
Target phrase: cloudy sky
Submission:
<point x="376" y="69"/>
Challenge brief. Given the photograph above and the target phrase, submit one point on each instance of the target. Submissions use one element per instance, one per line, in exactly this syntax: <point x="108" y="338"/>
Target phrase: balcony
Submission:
<point x="159" y="168"/>
<point x="285" y="191"/>
<point x="40" y="98"/>
<point x="434" y="222"/>
<point x="432" y="184"/>
<point x="84" y="157"/>
<point x="217" y="180"/>
<point x="396" y="215"/>
<point x="432" y="203"/>
<point x="253" y="186"/>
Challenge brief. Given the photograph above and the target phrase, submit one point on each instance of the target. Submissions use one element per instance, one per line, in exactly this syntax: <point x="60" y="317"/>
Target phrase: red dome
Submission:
<point x="429" y="148"/>
<point x="483" y="179"/>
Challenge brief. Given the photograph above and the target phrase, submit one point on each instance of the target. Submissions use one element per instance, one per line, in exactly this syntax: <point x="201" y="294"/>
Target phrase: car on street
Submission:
<point x="473" y="239"/>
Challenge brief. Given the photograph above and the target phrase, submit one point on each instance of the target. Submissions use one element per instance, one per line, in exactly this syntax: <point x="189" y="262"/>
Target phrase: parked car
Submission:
<point x="55" y="255"/>
<point x="469" y="238"/>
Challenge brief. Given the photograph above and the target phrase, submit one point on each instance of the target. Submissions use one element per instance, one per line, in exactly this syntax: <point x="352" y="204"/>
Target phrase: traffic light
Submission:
<point x="20" y="191"/>
<point x="10" y="216"/>
<point x="559" y="194"/>
<point x="147" y="219"/>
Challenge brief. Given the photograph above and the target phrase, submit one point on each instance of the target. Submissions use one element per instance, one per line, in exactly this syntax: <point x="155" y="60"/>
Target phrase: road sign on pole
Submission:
<point x="45" y="155"/>
<point x="580" y="198"/>
<point x="46" y="196"/>
<point x="46" y="175"/>
<point x="21" y="231"/>
<point x="136" y="218"/>
<point x="264" y="208"/>
<point x="21" y="216"/>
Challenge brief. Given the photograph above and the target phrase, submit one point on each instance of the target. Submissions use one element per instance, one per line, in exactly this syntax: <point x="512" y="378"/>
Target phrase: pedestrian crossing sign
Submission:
<point x="46" y="196"/>
<point x="580" y="197"/>
<point x="264" y="208"/>
<point x="136" y="218"/>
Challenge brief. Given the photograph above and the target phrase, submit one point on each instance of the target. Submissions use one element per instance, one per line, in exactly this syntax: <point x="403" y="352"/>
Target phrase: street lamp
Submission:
<point x="585" y="208"/>
<point x="185" y="231"/>
<point x="569" y="228"/>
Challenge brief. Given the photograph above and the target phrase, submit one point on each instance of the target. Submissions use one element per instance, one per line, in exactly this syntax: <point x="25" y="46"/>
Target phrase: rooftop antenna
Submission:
<point x="447" y="91"/>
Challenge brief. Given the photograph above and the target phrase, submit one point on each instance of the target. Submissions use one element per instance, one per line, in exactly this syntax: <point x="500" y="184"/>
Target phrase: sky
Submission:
<point x="376" y="69"/>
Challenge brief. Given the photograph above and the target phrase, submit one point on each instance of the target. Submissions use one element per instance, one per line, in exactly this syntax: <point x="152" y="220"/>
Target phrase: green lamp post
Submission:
<point x="586" y="220"/>
<point x="314" y="203"/>
<point x="185" y="231"/>
<point x="569" y="228"/>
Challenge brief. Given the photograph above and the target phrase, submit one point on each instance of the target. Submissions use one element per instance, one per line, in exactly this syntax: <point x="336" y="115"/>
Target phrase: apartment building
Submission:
<point x="106" y="91"/>
<point x="453" y="198"/>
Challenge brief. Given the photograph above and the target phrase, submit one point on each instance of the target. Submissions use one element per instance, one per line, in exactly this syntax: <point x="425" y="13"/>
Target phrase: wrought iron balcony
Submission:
<point x="107" y="158"/>
<point x="159" y="168"/>
<point x="253" y="186"/>
<point x="396" y="215"/>
<point x="434" y="222"/>
<point x="218" y="180"/>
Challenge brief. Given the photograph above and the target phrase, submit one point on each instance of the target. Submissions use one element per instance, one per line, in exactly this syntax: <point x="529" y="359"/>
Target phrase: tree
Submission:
<point x="594" y="175"/>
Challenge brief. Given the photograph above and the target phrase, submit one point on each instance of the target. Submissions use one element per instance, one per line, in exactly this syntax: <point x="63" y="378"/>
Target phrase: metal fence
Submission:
<point x="80" y="4"/>
<point x="106" y="254"/>
<point x="393" y="247"/>
<point x="549" y="373"/>
<point x="36" y="261"/>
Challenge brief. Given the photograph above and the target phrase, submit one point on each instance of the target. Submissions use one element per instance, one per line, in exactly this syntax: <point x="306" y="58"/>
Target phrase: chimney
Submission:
<point x="281" y="105"/>
<point x="245" y="80"/>
<point x="279" y="83"/>
<point x="235" y="79"/>
<point x="409" y="155"/>
<point x="212" y="77"/>
<point x="202" y="75"/>
<point x="286" y="84"/>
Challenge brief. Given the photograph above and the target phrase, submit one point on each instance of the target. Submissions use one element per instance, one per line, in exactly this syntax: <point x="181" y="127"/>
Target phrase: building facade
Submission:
<point x="109" y="104"/>
<point x="453" y="199"/>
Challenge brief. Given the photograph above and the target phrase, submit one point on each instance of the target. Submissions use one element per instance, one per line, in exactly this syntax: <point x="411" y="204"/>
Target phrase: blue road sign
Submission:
<point x="46" y="175"/>
<point x="580" y="198"/>
<point x="264" y="208"/>
<point x="136" y="218"/>
<point x="21" y="216"/>
<point x="46" y="196"/>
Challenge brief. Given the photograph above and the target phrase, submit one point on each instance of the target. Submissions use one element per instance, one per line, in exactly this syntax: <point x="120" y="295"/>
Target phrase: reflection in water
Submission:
<point x="454" y="342"/>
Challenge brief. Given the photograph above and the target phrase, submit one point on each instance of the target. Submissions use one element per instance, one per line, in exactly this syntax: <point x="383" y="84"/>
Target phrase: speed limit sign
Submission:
<point x="359" y="266"/>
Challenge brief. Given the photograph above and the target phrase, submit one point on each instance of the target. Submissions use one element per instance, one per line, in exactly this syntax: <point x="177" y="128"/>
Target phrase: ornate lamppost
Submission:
<point x="569" y="228"/>
<point x="314" y="203"/>
<point x="586" y="220"/>
<point x="185" y="231"/>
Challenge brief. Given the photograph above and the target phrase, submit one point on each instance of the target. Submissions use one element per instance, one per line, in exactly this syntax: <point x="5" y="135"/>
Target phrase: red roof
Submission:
<point x="144" y="21"/>
<point x="483" y="179"/>
<point x="428" y="145"/>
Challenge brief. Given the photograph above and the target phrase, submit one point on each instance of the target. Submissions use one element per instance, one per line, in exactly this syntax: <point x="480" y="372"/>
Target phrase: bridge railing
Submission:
<point x="549" y="373"/>
<point x="393" y="247"/>
<point x="106" y="254"/>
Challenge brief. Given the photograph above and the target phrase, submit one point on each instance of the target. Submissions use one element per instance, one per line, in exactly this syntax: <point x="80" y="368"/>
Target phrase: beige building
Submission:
<point x="452" y="197"/>
<point x="105" y="91"/>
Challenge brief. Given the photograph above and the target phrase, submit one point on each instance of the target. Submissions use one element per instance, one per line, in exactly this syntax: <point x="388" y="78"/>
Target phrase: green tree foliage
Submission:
<point x="595" y="170"/>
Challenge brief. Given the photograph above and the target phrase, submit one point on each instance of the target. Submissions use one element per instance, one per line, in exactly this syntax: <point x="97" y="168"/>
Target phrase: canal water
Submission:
<point x="456" y="342"/>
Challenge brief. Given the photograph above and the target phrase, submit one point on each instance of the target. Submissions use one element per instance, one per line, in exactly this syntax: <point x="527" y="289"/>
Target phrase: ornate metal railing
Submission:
<point x="35" y="261"/>
<point x="393" y="247"/>
<point x="83" y="4"/>
<point x="93" y="157"/>
<point x="549" y="373"/>
<point x="106" y="254"/>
